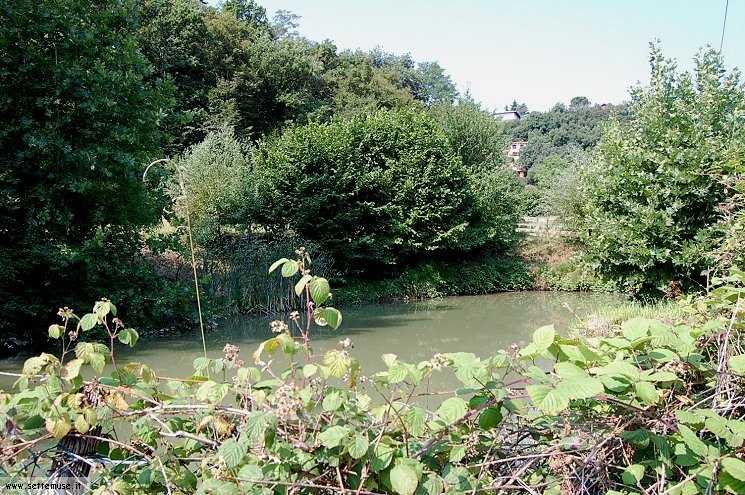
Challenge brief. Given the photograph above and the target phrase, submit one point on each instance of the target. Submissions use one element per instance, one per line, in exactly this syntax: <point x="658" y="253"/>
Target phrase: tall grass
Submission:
<point x="606" y="319"/>
<point x="235" y="274"/>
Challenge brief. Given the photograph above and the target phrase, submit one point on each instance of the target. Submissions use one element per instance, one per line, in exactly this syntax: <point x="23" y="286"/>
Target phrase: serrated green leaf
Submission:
<point x="232" y="451"/>
<point x="58" y="427"/>
<point x="319" y="290"/>
<point x="734" y="467"/>
<point x="309" y="370"/>
<point x="415" y="420"/>
<point x="332" y="401"/>
<point x="277" y="264"/>
<point x="55" y="331"/>
<point x="333" y="436"/>
<point x="333" y="317"/>
<point x="547" y="399"/>
<point x="646" y="393"/>
<point x="544" y="336"/>
<point x="97" y="362"/>
<point x="581" y="387"/>
<point x="490" y="418"/>
<point x="300" y="285"/>
<point x="569" y="370"/>
<point x="337" y="363"/>
<point x="290" y="268"/>
<point x="71" y="370"/>
<point x="633" y="474"/>
<point x="358" y="447"/>
<point x="694" y="443"/>
<point x="129" y="336"/>
<point x="452" y="410"/>
<point x="87" y="322"/>
<point x="404" y="479"/>
<point x="635" y="328"/>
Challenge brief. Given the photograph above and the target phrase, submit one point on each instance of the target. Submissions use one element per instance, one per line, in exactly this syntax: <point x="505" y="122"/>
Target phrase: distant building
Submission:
<point x="513" y="157"/>
<point x="515" y="148"/>
<point x="509" y="115"/>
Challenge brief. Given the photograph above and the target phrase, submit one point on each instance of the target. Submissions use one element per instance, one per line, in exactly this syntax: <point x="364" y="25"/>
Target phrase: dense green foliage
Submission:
<point x="654" y="206"/>
<point x="92" y="95"/>
<point x="473" y="133"/>
<point x="430" y="280"/>
<point x="560" y="130"/>
<point x="79" y="117"/>
<point x="215" y="175"/>
<point x="656" y="407"/>
<point x="232" y="65"/>
<point x="387" y="188"/>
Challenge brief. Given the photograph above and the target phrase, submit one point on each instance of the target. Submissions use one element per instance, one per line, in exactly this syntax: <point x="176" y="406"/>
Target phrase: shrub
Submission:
<point x="477" y="136"/>
<point x="484" y="275"/>
<point x="215" y="174"/>
<point x="376" y="191"/>
<point x="652" y="212"/>
<point x="500" y="201"/>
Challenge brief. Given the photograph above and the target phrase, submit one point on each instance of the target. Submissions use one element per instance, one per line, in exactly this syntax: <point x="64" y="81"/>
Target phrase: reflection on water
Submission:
<point x="413" y="331"/>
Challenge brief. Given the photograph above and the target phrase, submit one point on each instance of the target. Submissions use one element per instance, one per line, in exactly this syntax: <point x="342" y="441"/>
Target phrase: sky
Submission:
<point x="535" y="51"/>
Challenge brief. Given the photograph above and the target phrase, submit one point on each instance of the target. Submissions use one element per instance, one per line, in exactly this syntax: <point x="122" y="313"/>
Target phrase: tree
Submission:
<point x="435" y="85"/>
<point x="79" y="121"/>
<point x="653" y="213"/>
<point x="271" y="84"/>
<point x="248" y="11"/>
<point x="360" y="84"/>
<point x="561" y="130"/>
<point x="284" y="24"/>
<point x="579" y="102"/>
<point x="188" y="62"/>
<point x="476" y="135"/>
<point x="215" y="174"/>
<point x="388" y="187"/>
<point x="520" y="108"/>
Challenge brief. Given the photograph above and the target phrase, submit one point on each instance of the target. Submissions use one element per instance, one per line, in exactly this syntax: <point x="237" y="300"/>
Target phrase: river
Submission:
<point x="413" y="331"/>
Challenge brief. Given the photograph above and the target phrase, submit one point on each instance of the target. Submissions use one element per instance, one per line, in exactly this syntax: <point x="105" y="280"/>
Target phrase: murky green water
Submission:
<point x="414" y="331"/>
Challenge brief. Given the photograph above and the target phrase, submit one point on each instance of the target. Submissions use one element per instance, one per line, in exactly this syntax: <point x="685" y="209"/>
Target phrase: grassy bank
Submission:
<point x="557" y="264"/>
<point x="440" y="279"/>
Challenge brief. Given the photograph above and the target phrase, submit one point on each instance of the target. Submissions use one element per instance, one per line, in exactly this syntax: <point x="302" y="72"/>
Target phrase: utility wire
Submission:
<point x="724" y="24"/>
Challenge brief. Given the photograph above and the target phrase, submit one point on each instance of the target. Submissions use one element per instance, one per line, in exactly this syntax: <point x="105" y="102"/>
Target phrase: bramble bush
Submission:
<point x="654" y="408"/>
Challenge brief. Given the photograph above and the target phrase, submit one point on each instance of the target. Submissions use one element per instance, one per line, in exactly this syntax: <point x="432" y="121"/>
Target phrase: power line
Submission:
<point x="724" y="24"/>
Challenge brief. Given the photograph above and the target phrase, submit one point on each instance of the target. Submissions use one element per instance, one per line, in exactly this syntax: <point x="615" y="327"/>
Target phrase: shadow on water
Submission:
<point x="413" y="331"/>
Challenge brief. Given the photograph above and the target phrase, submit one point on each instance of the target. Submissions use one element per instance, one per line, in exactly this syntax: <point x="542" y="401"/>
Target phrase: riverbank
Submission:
<point x="545" y="264"/>
<point x="440" y="279"/>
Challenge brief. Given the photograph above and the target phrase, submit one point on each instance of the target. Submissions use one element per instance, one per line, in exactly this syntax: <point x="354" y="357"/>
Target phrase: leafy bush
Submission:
<point x="500" y="201"/>
<point x="484" y="275"/>
<point x="375" y="192"/>
<point x="655" y="408"/>
<point x="652" y="213"/>
<point x="477" y="136"/>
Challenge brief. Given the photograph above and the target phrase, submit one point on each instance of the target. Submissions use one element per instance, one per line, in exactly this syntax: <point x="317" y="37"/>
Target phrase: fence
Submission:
<point x="542" y="226"/>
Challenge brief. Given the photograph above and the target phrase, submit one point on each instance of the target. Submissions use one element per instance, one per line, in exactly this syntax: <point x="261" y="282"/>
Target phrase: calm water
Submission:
<point x="414" y="331"/>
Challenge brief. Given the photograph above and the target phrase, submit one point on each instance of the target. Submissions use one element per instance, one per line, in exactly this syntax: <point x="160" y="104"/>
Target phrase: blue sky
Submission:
<point x="537" y="51"/>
